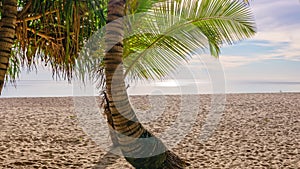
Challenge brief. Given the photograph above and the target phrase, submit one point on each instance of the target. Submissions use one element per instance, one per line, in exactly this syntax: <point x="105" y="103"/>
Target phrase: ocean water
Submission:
<point x="37" y="88"/>
<point x="262" y="87"/>
<point x="50" y="88"/>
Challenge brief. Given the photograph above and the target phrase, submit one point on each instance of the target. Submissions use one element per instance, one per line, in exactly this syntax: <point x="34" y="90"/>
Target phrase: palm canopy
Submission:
<point x="54" y="32"/>
<point x="158" y="41"/>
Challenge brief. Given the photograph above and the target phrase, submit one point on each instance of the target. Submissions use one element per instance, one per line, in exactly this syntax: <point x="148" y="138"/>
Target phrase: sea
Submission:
<point x="52" y="88"/>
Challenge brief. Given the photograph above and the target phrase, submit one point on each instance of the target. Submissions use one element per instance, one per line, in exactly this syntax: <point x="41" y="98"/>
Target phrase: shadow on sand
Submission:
<point x="107" y="160"/>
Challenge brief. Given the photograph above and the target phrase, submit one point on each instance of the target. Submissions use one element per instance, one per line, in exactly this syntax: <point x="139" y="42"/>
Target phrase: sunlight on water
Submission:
<point x="48" y="88"/>
<point x="167" y="83"/>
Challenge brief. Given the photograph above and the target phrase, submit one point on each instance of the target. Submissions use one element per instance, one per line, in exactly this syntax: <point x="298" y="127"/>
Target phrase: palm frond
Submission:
<point x="154" y="51"/>
<point x="137" y="6"/>
<point x="170" y="33"/>
<point x="157" y="42"/>
<point x="54" y="31"/>
<point x="90" y="64"/>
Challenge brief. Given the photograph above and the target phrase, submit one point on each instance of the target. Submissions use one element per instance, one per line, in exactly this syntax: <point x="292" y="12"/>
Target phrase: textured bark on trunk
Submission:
<point x="125" y="122"/>
<point x="110" y="122"/>
<point x="7" y="33"/>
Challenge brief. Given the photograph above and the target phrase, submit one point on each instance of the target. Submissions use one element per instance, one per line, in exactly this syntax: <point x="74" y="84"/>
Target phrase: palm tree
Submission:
<point x="217" y="21"/>
<point x="7" y="32"/>
<point x="123" y="116"/>
<point x="55" y="32"/>
<point x="49" y="31"/>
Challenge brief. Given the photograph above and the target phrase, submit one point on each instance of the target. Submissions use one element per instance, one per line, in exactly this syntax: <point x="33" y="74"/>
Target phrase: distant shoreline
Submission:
<point x="237" y="93"/>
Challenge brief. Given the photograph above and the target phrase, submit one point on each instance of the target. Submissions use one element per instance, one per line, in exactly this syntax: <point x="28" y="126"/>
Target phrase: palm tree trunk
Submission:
<point x="7" y="33"/>
<point x="148" y="154"/>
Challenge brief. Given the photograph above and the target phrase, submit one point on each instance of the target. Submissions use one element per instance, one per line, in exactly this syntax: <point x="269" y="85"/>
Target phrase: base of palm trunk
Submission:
<point x="174" y="162"/>
<point x="170" y="161"/>
<point x="164" y="160"/>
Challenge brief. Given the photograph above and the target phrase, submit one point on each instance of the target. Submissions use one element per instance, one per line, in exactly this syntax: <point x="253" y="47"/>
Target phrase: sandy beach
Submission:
<point x="256" y="131"/>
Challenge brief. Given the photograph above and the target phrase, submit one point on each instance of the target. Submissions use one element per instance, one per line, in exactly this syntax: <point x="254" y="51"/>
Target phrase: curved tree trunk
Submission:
<point x="7" y="33"/>
<point x="126" y="125"/>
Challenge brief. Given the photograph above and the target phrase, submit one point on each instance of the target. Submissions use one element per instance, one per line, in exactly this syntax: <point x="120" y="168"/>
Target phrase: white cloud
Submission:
<point x="235" y="61"/>
<point x="273" y="31"/>
<point x="286" y="42"/>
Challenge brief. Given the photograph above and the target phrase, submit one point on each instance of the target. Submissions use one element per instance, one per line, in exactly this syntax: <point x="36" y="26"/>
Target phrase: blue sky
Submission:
<point x="274" y="52"/>
<point x="272" y="55"/>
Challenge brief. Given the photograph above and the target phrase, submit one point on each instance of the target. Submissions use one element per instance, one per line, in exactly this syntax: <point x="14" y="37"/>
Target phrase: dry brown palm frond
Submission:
<point x="54" y="32"/>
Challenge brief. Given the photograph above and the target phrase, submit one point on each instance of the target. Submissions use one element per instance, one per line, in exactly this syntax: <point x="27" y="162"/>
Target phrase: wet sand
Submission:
<point x="255" y="131"/>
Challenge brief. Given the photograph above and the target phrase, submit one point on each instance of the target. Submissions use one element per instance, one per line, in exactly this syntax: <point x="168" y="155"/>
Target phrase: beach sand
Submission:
<point x="255" y="131"/>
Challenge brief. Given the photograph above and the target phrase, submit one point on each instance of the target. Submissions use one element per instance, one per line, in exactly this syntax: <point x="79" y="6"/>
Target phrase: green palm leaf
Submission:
<point x="173" y="30"/>
<point x="157" y="42"/>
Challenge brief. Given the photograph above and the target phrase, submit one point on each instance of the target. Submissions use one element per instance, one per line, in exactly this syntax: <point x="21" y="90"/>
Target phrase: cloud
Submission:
<point x="278" y="25"/>
<point x="236" y="61"/>
<point x="285" y="40"/>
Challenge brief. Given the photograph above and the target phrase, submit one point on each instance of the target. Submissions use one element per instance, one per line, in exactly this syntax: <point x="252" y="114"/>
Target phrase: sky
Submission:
<point x="268" y="62"/>
<point x="273" y="54"/>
